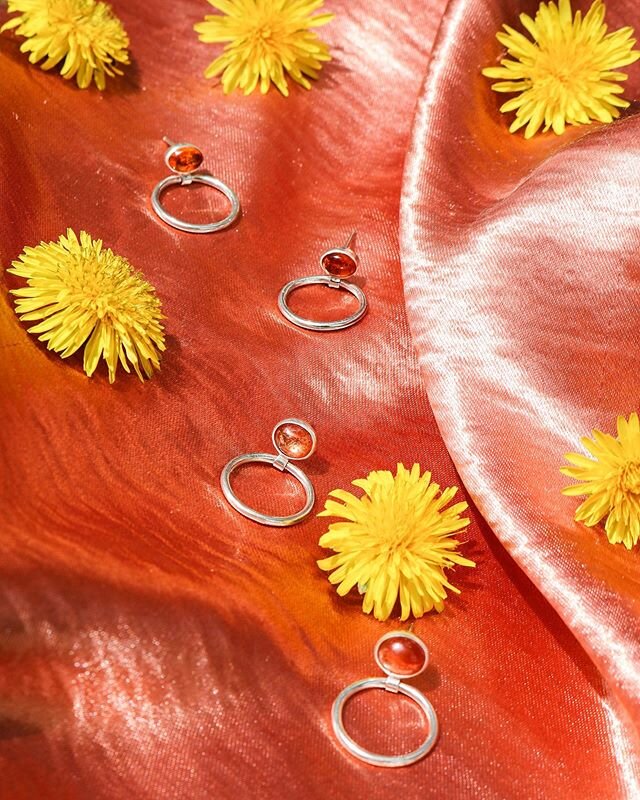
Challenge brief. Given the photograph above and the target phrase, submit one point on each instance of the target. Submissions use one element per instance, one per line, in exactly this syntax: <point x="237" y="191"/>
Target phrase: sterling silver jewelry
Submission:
<point x="184" y="160"/>
<point x="294" y="440"/>
<point x="338" y="263"/>
<point x="399" y="655"/>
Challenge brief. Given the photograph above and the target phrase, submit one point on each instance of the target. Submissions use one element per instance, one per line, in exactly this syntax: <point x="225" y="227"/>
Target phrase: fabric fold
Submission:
<point x="522" y="283"/>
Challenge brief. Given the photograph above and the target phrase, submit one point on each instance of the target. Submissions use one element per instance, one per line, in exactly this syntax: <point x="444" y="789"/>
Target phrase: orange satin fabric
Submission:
<point x="153" y="643"/>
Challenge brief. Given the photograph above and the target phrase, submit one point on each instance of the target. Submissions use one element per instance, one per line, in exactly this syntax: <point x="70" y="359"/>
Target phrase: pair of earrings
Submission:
<point x="185" y="161"/>
<point x="399" y="655"/>
<point x="294" y="439"/>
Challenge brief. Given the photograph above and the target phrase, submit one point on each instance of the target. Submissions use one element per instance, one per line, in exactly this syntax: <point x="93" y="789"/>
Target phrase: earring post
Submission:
<point x="167" y="141"/>
<point x="350" y="240"/>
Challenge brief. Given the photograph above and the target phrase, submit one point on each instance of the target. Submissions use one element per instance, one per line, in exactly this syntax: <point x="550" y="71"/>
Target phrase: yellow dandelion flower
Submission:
<point x="85" y="294"/>
<point x="610" y="481"/>
<point x="265" y="39"/>
<point x="85" y="34"/>
<point x="394" y="542"/>
<point x="566" y="75"/>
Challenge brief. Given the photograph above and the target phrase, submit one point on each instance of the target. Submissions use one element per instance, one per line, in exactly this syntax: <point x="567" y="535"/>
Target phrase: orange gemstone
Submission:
<point x="293" y="440"/>
<point x="339" y="265"/>
<point x="185" y="158"/>
<point x="402" y="655"/>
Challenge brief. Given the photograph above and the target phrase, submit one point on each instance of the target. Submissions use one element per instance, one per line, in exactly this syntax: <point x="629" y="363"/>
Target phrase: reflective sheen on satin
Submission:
<point x="520" y="263"/>
<point x="156" y="645"/>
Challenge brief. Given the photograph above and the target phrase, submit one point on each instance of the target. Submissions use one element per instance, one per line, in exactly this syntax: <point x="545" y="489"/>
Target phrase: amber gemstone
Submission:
<point x="402" y="655"/>
<point x="339" y="265"/>
<point x="185" y="158"/>
<point x="293" y="440"/>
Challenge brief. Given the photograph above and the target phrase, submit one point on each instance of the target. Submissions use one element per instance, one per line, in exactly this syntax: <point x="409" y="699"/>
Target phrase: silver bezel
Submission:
<point x="405" y="635"/>
<point x="173" y="149"/>
<point x="302" y="424"/>
<point x="345" y="251"/>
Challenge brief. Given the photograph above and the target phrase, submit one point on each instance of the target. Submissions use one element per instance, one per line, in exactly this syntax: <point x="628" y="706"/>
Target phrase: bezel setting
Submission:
<point x="401" y="635"/>
<point x="174" y="149"/>
<point x="306" y="427"/>
<point x="343" y="251"/>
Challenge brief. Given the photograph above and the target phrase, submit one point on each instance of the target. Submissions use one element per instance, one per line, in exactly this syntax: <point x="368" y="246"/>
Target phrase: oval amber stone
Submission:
<point x="339" y="265"/>
<point x="293" y="440"/>
<point x="185" y="158"/>
<point x="402" y="655"/>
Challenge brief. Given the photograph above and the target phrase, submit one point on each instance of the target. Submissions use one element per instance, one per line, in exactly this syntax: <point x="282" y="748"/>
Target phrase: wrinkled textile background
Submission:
<point x="154" y="644"/>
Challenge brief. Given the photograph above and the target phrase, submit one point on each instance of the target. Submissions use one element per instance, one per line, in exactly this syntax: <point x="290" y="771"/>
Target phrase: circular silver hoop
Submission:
<point x="193" y="227"/>
<point x="257" y="516"/>
<point x="313" y="325"/>
<point x="377" y="759"/>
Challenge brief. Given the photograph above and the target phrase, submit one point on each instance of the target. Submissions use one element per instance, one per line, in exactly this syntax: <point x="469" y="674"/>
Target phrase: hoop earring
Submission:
<point x="399" y="655"/>
<point x="294" y="440"/>
<point x="339" y="263"/>
<point x="184" y="160"/>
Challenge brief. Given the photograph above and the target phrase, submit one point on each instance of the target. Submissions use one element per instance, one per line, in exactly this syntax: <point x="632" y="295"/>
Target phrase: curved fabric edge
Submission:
<point x="425" y="209"/>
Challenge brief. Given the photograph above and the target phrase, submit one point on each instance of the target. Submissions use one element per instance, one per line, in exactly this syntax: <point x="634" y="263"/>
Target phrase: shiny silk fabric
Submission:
<point x="521" y="269"/>
<point x="155" y="645"/>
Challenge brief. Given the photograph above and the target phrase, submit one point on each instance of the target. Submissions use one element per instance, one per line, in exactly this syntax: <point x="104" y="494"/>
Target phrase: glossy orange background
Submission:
<point x="154" y="644"/>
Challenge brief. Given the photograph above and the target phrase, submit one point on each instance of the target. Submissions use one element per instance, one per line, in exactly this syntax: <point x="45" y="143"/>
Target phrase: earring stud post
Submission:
<point x="350" y="240"/>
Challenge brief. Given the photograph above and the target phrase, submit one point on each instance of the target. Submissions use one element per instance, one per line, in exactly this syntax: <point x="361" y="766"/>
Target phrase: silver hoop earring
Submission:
<point x="339" y="263"/>
<point x="294" y="440"/>
<point x="184" y="160"/>
<point x="399" y="655"/>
